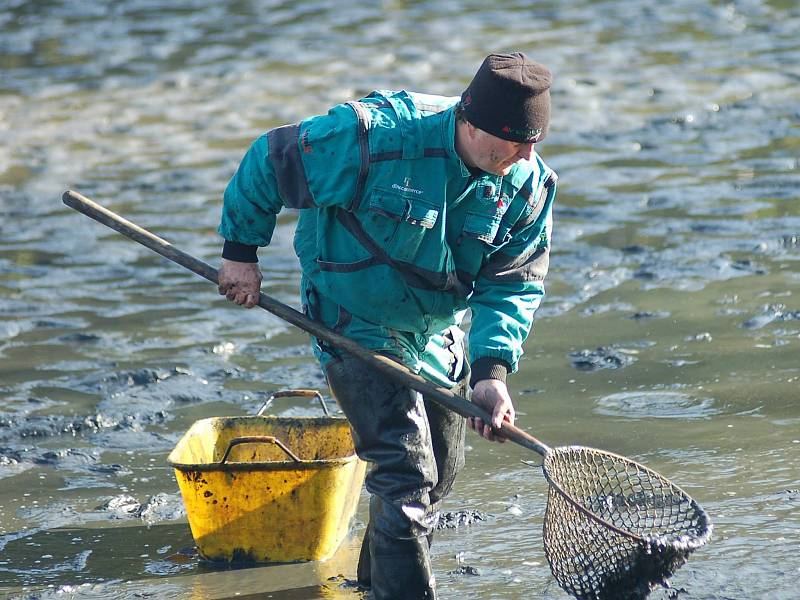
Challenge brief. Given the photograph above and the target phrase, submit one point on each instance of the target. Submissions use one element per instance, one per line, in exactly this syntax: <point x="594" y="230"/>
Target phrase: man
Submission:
<point x="412" y="209"/>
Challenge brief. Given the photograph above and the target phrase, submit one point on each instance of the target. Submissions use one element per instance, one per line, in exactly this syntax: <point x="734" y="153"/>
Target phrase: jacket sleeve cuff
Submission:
<point x="488" y="367"/>
<point x="239" y="252"/>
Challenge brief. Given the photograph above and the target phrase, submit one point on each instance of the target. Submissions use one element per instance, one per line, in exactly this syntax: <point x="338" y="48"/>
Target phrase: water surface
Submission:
<point x="670" y="332"/>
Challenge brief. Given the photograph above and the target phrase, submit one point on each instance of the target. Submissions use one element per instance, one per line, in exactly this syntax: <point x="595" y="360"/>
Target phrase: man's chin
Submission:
<point x="499" y="170"/>
<point x="506" y="170"/>
<point x="502" y="171"/>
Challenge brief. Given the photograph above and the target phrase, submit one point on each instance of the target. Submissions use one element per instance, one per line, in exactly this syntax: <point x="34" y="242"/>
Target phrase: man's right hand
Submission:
<point x="240" y="282"/>
<point x="492" y="396"/>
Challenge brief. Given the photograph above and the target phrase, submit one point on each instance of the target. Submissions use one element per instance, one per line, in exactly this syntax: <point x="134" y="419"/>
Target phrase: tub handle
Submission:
<point x="258" y="439"/>
<point x="294" y="394"/>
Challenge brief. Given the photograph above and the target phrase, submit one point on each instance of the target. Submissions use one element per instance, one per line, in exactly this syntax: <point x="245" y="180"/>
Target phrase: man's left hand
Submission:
<point x="492" y="396"/>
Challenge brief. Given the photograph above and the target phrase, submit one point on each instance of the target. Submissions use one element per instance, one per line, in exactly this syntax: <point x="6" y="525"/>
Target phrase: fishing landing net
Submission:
<point x="614" y="529"/>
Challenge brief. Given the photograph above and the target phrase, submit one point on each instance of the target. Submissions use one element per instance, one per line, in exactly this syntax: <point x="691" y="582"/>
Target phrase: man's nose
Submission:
<point x="525" y="151"/>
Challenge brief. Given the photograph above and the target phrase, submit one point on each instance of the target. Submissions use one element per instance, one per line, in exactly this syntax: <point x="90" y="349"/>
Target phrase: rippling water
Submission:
<point x="670" y="332"/>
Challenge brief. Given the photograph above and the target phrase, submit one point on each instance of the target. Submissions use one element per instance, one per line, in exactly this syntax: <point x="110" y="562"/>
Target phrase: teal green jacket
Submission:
<point x="394" y="227"/>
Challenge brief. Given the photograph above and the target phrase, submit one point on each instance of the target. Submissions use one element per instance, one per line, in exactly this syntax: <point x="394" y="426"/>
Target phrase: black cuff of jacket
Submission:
<point x="239" y="252"/>
<point x="488" y="367"/>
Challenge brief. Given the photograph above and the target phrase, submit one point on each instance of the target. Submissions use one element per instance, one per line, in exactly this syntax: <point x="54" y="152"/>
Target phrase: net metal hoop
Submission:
<point x="692" y="543"/>
<point x="613" y="528"/>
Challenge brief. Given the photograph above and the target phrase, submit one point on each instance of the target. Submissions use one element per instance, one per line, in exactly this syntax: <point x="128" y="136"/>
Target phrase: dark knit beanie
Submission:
<point x="509" y="97"/>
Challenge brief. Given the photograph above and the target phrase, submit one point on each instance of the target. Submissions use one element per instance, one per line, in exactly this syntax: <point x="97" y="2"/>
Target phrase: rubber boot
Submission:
<point x="363" y="571"/>
<point x="364" y="568"/>
<point x="401" y="569"/>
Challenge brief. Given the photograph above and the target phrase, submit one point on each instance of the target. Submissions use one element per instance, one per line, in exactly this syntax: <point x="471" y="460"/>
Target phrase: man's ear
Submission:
<point x="472" y="131"/>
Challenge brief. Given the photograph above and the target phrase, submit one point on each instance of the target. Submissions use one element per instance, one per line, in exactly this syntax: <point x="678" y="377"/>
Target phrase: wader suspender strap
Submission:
<point x="363" y="145"/>
<point x="410" y="129"/>
<point x="538" y="207"/>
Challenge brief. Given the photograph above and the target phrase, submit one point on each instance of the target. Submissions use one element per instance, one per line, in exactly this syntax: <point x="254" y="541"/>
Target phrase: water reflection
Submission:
<point x="656" y="404"/>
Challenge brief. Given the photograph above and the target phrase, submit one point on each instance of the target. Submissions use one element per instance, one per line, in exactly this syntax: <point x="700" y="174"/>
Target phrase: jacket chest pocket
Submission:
<point x="399" y="223"/>
<point x="486" y="227"/>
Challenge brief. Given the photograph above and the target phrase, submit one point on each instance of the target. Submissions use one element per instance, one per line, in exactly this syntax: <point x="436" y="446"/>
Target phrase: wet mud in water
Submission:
<point x="669" y="334"/>
<point x="461" y="518"/>
<point x="646" y="572"/>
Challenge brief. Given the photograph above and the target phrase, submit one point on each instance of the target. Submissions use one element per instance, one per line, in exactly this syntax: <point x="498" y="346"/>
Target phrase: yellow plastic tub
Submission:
<point x="269" y="489"/>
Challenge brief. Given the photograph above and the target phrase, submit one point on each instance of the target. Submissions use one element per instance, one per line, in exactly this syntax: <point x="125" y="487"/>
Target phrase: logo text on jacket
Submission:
<point x="406" y="187"/>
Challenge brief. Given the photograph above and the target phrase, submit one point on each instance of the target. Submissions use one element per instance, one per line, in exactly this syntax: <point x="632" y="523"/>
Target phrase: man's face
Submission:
<point x="496" y="155"/>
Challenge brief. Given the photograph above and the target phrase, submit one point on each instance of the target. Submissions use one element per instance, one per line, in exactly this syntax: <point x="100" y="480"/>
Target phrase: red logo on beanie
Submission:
<point x="506" y="129"/>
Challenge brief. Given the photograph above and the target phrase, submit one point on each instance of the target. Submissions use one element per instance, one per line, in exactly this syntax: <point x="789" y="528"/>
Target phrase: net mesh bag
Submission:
<point x="614" y="529"/>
